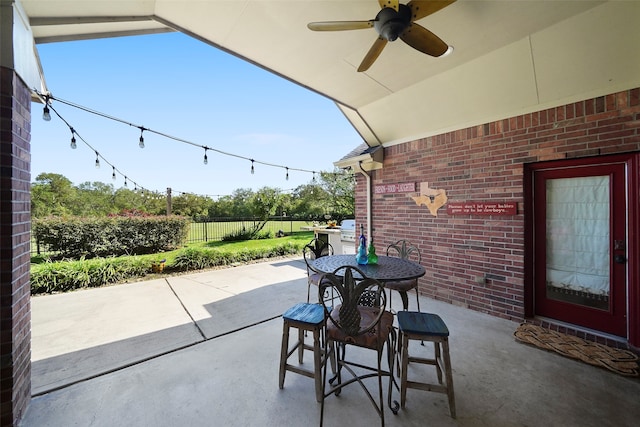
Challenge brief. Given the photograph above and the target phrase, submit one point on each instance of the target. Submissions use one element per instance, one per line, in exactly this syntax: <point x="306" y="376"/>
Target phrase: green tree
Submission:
<point x="94" y="199"/>
<point x="154" y="202"/>
<point x="308" y="202"/>
<point x="333" y="196"/>
<point x="125" y="199"/>
<point x="52" y="194"/>
<point x="191" y="205"/>
<point x="222" y="208"/>
<point x="241" y="202"/>
<point x="339" y="186"/>
<point x="263" y="205"/>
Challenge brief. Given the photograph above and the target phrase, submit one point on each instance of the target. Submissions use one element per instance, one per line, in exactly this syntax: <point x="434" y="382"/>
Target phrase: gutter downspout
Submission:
<point x="368" y="198"/>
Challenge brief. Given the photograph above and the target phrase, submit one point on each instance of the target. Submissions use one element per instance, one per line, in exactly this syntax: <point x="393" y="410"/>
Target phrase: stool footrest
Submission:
<point x="427" y="387"/>
<point x="433" y="362"/>
<point x="299" y="370"/>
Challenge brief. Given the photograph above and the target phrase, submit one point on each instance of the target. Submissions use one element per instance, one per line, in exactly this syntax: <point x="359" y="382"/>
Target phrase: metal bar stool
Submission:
<point x="304" y="317"/>
<point x="405" y="250"/>
<point x="426" y="327"/>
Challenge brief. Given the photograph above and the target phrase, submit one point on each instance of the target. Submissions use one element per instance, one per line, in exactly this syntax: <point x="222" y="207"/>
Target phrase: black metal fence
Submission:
<point x="217" y="228"/>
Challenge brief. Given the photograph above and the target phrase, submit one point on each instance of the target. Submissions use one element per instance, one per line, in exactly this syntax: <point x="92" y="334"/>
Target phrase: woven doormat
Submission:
<point x="623" y="362"/>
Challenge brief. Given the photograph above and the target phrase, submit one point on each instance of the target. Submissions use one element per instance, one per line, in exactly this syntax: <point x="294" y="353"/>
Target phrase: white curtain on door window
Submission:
<point x="578" y="234"/>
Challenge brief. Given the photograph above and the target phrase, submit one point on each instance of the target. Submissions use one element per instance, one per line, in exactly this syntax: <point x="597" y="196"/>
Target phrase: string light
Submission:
<point x="48" y="109"/>
<point x="46" y="114"/>
<point x="173" y="137"/>
<point x="73" y="139"/>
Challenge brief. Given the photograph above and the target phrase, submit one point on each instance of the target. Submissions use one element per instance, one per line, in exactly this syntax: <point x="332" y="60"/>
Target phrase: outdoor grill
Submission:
<point x="348" y="236"/>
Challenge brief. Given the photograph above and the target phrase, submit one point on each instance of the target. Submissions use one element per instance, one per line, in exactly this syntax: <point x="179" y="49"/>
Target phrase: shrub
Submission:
<point x="201" y="257"/>
<point x="76" y="237"/>
<point x="247" y="234"/>
<point x="63" y="276"/>
<point x="237" y="235"/>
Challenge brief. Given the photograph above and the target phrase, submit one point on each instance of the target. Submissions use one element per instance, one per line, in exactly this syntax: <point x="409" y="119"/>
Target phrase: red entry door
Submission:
<point x="580" y="244"/>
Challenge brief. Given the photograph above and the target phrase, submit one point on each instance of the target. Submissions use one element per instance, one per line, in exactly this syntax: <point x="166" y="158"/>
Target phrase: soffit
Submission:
<point x="510" y="56"/>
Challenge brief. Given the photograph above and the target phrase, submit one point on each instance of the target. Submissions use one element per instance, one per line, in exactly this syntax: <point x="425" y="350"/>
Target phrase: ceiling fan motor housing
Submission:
<point x="391" y="24"/>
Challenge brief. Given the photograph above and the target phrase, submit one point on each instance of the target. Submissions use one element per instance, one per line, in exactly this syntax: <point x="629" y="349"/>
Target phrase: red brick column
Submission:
<point x="15" y="228"/>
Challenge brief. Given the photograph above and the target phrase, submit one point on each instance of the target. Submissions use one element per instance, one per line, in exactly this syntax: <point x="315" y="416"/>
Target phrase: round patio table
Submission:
<point x="387" y="269"/>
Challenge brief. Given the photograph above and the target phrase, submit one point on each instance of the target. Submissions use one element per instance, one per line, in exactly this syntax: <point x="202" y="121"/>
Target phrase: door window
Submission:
<point x="577" y="240"/>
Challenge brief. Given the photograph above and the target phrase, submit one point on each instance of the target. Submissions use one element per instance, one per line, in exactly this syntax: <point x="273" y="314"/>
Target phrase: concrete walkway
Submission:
<point x="203" y="350"/>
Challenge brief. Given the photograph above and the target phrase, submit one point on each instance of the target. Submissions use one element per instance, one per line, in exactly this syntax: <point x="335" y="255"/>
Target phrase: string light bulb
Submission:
<point x="125" y="181"/>
<point x="314" y="177"/>
<point x="206" y="160"/>
<point x="287" y="174"/>
<point x="141" y="143"/>
<point x="97" y="160"/>
<point x="252" y="169"/>
<point x="73" y="139"/>
<point x="113" y="175"/>
<point x="46" y="114"/>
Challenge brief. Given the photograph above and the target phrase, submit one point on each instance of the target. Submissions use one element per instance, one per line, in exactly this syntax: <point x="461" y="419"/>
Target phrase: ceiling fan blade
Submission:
<point x="373" y="54"/>
<point x="424" y="40"/>
<point x="422" y="8"/>
<point x="339" y="25"/>
<point x="393" y="4"/>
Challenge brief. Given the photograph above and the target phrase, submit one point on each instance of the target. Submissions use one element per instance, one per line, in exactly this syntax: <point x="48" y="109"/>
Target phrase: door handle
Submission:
<point x="620" y="259"/>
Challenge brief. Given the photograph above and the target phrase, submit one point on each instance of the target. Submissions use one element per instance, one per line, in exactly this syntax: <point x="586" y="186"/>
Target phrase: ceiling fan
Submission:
<point x="395" y="20"/>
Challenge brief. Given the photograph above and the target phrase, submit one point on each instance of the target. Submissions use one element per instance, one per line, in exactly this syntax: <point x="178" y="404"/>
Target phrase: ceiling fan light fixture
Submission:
<point x="448" y="52"/>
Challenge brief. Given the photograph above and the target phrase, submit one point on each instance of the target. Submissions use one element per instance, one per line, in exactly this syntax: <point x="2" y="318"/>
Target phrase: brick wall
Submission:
<point x="485" y="163"/>
<point x="15" y="228"/>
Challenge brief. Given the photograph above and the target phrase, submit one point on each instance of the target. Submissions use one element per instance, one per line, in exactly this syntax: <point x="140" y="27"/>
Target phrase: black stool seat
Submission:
<point x="418" y="323"/>
<point x="415" y="325"/>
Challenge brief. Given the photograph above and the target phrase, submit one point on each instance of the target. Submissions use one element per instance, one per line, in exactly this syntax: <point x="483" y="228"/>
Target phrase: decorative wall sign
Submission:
<point x="432" y="198"/>
<point x="482" y="208"/>
<point x="407" y="187"/>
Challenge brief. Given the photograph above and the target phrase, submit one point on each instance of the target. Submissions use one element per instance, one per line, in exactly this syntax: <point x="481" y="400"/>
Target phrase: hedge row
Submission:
<point x="63" y="276"/>
<point x="76" y="237"/>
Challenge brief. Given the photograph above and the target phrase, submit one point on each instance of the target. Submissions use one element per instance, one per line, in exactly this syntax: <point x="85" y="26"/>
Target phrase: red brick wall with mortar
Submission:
<point x="15" y="229"/>
<point x="485" y="163"/>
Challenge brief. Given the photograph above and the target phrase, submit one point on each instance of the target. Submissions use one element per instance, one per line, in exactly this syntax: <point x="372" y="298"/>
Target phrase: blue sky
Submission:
<point x="176" y="85"/>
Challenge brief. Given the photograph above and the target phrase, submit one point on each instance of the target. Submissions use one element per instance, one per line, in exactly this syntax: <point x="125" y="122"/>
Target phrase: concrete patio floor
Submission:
<point x="203" y="350"/>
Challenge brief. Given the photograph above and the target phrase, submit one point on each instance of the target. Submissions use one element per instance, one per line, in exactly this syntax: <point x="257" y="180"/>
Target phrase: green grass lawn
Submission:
<point x="300" y="238"/>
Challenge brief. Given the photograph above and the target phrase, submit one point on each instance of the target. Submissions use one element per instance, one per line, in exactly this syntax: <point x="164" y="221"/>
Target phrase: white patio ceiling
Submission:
<point x="510" y="57"/>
